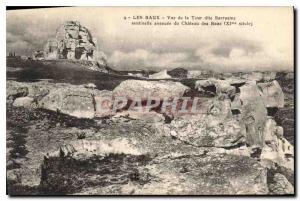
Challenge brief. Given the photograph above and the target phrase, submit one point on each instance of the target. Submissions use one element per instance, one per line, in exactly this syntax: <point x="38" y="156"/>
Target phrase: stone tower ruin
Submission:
<point x="72" y="41"/>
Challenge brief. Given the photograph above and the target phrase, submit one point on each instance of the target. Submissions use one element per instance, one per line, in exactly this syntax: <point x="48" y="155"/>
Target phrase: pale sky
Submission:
<point x="267" y="45"/>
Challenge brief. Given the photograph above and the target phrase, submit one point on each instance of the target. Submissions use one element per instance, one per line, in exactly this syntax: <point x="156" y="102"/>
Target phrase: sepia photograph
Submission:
<point x="150" y="101"/>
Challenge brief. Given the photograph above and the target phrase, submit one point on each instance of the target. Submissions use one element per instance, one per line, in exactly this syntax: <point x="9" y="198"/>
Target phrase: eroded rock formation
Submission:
<point x="230" y="146"/>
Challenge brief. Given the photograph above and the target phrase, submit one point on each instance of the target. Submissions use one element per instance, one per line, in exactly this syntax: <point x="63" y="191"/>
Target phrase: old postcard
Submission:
<point x="150" y="101"/>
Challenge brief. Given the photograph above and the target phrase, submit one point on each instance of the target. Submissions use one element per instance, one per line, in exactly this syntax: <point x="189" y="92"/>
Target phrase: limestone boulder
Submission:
<point x="276" y="148"/>
<point x="253" y="113"/>
<point x="142" y="89"/>
<point x="272" y="94"/>
<point x="135" y="157"/>
<point x="23" y="102"/>
<point x="160" y="75"/>
<point x="73" y="101"/>
<point x="202" y="84"/>
<point x="78" y="101"/>
<point x="224" y="89"/>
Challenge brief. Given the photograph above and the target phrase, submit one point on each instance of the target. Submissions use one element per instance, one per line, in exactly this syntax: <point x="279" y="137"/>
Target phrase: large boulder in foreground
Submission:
<point x="133" y="89"/>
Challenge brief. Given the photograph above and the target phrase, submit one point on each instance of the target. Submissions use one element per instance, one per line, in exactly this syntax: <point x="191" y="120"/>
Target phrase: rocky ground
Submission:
<point x="286" y="115"/>
<point x="241" y="143"/>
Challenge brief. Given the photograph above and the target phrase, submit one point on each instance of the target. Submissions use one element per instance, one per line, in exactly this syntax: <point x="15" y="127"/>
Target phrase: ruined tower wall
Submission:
<point x="72" y="41"/>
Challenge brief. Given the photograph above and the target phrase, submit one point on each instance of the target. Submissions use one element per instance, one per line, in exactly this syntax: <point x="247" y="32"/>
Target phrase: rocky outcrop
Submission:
<point x="250" y="104"/>
<point x="246" y="102"/>
<point x="227" y="148"/>
<point x="23" y="102"/>
<point x="276" y="148"/>
<point x="169" y="166"/>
